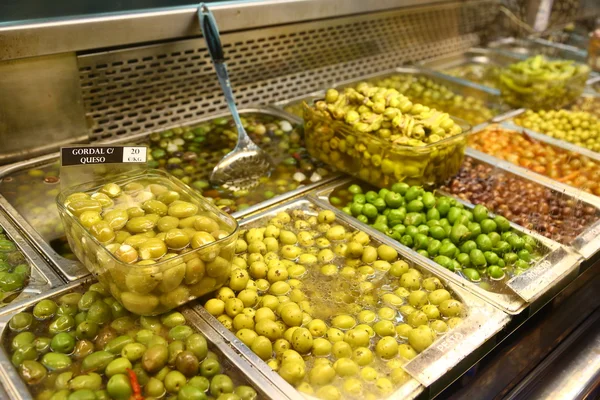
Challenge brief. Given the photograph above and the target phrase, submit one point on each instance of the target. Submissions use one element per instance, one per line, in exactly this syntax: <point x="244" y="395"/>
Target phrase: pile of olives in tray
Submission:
<point x="549" y="212"/>
<point x="156" y="247"/>
<point x="578" y="127"/>
<point x="335" y="313"/>
<point x="475" y="245"/>
<point x="86" y="346"/>
<point x="483" y="74"/>
<point x="15" y="271"/>
<point x="423" y="90"/>
<point x="380" y="136"/>
<point x="552" y="161"/>
<point x="542" y="83"/>
<point x="189" y="153"/>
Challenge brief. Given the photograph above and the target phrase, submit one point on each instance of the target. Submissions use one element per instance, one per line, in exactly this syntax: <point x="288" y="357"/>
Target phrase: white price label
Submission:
<point x="134" y="154"/>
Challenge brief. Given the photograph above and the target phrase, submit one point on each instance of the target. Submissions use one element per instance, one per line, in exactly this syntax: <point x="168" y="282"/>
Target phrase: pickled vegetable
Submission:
<point x="541" y="83"/>
<point x="153" y="244"/>
<point x="524" y="202"/>
<point x="578" y="127"/>
<point x="329" y="309"/>
<point x="562" y="165"/>
<point x="472" y="243"/>
<point x="423" y="90"/>
<point x="380" y="136"/>
<point x="162" y="355"/>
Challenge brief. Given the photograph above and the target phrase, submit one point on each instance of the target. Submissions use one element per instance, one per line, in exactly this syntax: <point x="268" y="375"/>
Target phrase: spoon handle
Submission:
<point x="210" y="31"/>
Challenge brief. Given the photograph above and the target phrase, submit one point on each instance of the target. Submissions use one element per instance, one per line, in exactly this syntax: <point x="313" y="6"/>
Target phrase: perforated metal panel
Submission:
<point x="134" y="90"/>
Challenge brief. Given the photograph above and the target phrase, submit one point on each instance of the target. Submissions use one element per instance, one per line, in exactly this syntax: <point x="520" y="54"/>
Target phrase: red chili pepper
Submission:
<point x="135" y="386"/>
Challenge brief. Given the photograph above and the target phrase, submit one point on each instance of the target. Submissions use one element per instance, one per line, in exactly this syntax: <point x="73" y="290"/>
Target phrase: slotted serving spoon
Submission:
<point x="246" y="163"/>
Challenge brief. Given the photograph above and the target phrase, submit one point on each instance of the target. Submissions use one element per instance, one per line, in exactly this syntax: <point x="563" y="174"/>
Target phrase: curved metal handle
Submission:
<point x="208" y="24"/>
<point x="213" y="42"/>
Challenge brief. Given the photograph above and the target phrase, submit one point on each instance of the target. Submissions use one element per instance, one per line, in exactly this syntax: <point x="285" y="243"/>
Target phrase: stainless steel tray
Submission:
<point x="73" y="270"/>
<point x="480" y="325"/>
<point x="555" y="269"/>
<point x="233" y="360"/>
<point x="42" y="277"/>
<point x="531" y="47"/>
<point x="587" y="243"/>
<point x="490" y="97"/>
<point x="483" y="58"/>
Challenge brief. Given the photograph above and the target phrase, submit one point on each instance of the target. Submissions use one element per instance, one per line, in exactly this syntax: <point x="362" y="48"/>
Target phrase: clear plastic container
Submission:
<point x="378" y="161"/>
<point x="526" y="90"/>
<point x="154" y="288"/>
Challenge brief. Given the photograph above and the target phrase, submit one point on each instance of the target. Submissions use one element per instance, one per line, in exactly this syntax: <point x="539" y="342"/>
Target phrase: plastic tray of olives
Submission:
<point x="472" y="103"/>
<point x="530" y="47"/>
<point x="379" y="161"/>
<point x="506" y="264"/>
<point x="541" y="83"/>
<point x="28" y="189"/>
<point x="154" y="242"/>
<point x="23" y="273"/>
<point x="337" y="311"/>
<point x="554" y="210"/>
<point x="77" y="342"/>
<point x="480" y="66"/>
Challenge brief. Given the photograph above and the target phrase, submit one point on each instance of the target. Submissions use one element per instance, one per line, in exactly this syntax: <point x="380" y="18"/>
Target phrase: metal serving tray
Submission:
<point x="531" y="47"/>
<point x="556" y="268"/>
<point x="587" y="243"/>
<point x="233" y="360"/>
<point x="479" y="327"/>
<point x="482" y="58"/>
<point x="73" y="270"/>
<point x="490" y="97"/>
<point x="42" y="277"/>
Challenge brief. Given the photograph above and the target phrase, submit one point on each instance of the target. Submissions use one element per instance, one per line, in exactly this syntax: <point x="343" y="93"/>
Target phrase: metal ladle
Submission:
<point x="242" y="167"/>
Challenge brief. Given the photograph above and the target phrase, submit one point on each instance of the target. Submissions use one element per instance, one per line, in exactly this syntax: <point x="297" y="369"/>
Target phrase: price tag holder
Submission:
<point x="81" y="164"/>
<point x="102" y="155"/>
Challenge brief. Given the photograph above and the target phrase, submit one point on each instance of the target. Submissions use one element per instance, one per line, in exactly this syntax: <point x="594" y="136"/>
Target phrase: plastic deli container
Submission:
<point x="148" y="278"/>
<point x="378" y="161"/>
<point x="526" y="90"/>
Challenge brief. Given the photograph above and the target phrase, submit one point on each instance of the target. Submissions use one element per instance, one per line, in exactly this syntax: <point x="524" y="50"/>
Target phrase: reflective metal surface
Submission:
<point x="233" y="361"/>
<point x="73" y="34"/>
<point x="481" y="323"/>
<point x="526" y="343"/>
<point x="558" y="264"/>
<point x="132" y="90"/>
<point x="40" y="96"/>
<point x="571" y="371"/>
<point x="42" y="278"/>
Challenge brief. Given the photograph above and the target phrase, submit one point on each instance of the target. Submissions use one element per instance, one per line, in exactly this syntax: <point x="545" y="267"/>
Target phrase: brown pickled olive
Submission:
<point x="543" y="210"/>
<point x="312" y="327"/>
